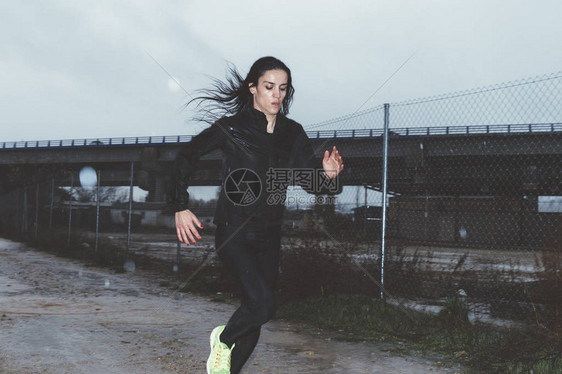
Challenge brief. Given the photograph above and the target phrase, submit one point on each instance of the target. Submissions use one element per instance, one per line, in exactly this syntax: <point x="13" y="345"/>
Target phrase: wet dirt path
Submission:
<point x="59" y="316"/>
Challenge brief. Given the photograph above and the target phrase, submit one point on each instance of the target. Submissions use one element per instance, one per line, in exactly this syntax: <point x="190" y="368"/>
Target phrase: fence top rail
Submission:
<point x="321" y="134"/>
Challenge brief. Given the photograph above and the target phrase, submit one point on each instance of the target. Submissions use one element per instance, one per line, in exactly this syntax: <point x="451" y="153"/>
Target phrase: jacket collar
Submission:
<point x="256" y="118"/>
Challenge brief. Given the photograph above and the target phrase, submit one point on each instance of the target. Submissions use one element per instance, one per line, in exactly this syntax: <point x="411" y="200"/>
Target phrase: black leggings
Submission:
<point x="251" y="254"/>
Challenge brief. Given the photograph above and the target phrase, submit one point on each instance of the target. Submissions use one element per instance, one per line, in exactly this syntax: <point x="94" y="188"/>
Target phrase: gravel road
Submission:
<point x="60" y="316"/>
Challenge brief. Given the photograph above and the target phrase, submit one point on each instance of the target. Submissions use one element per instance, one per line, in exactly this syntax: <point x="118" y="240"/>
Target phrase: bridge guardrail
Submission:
<point x="321" y="134"/>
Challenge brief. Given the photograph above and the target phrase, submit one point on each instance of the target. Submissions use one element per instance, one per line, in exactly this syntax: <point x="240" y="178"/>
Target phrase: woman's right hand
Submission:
<point x="186" y="223"/>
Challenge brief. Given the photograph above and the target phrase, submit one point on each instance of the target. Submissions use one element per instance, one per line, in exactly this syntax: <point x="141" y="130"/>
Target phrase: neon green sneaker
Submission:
<point x="219" y="359"/>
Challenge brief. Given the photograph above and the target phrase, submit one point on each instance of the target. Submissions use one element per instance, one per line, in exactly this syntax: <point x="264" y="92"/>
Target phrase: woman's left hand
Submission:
<point x="332" y="163"/>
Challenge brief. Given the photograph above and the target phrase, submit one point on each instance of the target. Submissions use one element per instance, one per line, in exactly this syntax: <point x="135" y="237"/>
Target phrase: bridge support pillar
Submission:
<point x="157" y="190"/>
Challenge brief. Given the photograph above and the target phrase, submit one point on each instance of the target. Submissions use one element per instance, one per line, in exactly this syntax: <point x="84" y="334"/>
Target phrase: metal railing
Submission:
<point x="320" y="134"/>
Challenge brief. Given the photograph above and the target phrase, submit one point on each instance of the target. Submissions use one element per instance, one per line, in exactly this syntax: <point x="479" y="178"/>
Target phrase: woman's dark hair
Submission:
<point x="233" y="95"/>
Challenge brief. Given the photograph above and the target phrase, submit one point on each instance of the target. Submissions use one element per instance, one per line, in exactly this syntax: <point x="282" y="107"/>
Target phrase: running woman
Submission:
<point x="260" y="147"/>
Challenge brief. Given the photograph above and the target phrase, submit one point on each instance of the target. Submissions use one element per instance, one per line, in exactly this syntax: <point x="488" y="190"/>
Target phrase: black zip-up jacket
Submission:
<point x="279" y="159"/>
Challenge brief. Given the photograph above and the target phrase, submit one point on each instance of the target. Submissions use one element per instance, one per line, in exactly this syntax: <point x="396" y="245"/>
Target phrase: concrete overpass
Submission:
<point x="500" y="160"/>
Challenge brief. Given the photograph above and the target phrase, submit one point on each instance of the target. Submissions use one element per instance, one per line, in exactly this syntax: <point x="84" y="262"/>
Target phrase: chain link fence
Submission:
<point x="473" y="209"/>
<point x="73" y="213"/>
<point x="474" y="204"/>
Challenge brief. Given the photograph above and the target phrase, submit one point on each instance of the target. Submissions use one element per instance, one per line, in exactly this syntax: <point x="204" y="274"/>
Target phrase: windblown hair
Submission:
<point x="233" y="95"/>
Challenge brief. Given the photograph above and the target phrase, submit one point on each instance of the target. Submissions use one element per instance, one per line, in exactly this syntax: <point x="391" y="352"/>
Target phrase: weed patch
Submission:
<point x="481" y="348"/>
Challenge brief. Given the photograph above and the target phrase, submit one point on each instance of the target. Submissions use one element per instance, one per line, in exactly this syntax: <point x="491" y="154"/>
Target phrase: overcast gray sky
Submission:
<point x="76" y="69"/>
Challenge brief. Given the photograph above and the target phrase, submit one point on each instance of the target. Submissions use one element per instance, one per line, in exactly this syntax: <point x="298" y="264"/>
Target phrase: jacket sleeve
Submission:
<point x="209" y="139"/>
<point x="313" y="179"/>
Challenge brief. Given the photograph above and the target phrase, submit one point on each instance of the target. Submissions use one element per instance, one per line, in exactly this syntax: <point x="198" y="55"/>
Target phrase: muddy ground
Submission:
<point x="60" y="316"/>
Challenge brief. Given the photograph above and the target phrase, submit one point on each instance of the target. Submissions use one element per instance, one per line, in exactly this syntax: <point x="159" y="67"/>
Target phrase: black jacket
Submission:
<point x="257" y="166"/>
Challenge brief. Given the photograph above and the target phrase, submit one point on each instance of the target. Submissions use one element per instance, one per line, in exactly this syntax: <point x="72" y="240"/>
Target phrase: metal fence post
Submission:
<point x="17" y="220"/>
<point x="24" y="213"/>
<point x="52" y="204"/>
<point x="97" y="210"/>
<point x="365" y="215"/>
<point x="36" y="209"/>
<point x="178" y="254"/>
<point x="130" y="210"/>
<point x="384" y="194"/>
<point x="70" y="209"/>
